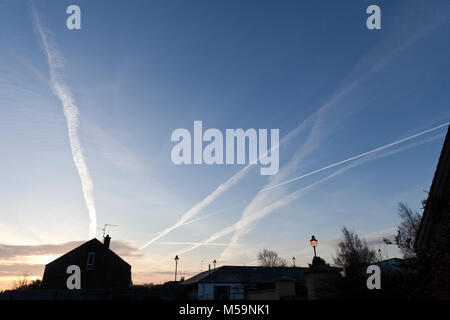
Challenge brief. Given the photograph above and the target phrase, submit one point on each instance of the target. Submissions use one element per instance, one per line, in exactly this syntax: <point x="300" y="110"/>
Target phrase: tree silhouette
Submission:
<point x="353" y="253"/>
<point x="24" y="283"/>
<point x="268" y="258"/>
<point x="20" y="283"/>
<point x="407" y="230"/>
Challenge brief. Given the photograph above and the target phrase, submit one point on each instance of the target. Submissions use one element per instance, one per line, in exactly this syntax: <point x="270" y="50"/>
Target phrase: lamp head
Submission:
<point x="313" y="241"/>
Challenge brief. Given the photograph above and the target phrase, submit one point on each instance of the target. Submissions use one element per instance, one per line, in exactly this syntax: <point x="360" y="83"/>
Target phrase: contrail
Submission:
<point x="317" y="132"/>
<point x="234" y="179"/>
<point x="199" y="206"/>
<point x="240" y="174"/>
<point x="62" y="91"/>
<point x="262" y="196"/>
<point x="194" y="243"/>
<point x="225" y="186"/>
<point x="193" y="220"/>
<point x="358" y="156"/>
<point x="322" y="110"/>
<point x="244" y="222"/>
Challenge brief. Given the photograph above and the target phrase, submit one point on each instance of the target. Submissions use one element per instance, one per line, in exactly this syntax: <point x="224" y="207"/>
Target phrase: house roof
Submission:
<point x="91" y="243"/>
<point x="391" y="262"/>
<point x="439" y="187"/>
<point x="244" y="274"/>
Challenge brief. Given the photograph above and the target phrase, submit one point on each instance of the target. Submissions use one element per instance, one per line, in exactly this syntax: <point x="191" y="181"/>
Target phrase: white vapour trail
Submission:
<point x="253" y="218"/>
<point x="309" y="145"/>
<point x="225" y="186"/>
<point x="319" y="129"/>
<point x="200" y="205"/>
<point x="192" y="221"/>
<point x="245" y="222"/>
<point x="239" y="175"/>
<point x="317" y="117"/>
<point x="193" y="243"/>
<point x="358" y="156"/>
<point x="62" y="91"/>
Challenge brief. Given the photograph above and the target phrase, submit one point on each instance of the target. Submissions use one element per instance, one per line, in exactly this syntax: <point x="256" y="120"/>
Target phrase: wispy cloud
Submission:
<point x="320" y="124"/>
<point x="244" y="224"/>
<point x="191" y="221"/>
<point x="227" y="184"/>
<point x="193" y="243"/>
<point x="200" y="205"/>
<point x="248" y="220"/>
<point x="359" y="156"/>
<point x="62" y="91"/>
<point x="14" y="252"/>
<point x="17" y="260"/>
<point x="322" y="121"/>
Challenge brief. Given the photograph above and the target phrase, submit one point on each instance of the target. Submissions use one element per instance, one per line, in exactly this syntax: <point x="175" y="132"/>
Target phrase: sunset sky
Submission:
<point x="137" y="70"/>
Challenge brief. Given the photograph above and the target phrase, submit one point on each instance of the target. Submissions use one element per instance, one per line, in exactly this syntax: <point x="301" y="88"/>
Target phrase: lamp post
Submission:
<point x="313" y="242"/>
<point x="379" y="252"/>
<point x="214" y="263"/>
<point x="176" y="266"/>
<point x="293" y="261"/>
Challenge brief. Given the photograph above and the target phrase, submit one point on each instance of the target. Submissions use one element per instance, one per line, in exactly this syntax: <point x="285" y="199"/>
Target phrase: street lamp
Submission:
<point x="313" y="242"/>
<point x="214" y="263"/>
<point x="293" y="261"/>
<point x="176" y="266"/>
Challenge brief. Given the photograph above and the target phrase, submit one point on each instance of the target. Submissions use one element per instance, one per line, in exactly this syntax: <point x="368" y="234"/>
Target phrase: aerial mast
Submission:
<point x="104" y="228"/>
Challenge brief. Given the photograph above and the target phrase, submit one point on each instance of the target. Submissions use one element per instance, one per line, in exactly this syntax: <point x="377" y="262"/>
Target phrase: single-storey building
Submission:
<point x="236" y="282"/>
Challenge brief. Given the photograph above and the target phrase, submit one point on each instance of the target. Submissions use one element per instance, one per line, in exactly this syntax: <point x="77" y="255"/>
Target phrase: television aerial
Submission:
<point x="104" y="228"/>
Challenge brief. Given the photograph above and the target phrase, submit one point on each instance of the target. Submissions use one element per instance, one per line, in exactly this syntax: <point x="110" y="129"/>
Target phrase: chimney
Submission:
<point x="106" y="241"/>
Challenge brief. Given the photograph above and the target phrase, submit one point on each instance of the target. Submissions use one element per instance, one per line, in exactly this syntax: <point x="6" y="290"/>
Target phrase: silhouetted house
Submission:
<point x="436" y="215"/>
<point x="100" y="268"/>
<point x="237" y="282"/>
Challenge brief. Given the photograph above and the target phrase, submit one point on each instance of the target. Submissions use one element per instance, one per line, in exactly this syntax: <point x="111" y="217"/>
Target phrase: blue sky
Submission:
<point x="137" y="70"/>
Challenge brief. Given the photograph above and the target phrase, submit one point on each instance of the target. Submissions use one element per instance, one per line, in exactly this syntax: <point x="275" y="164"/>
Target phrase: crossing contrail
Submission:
<point x="254" y="217"/>
<point x="358" y="156"/>
<point x="195" y="210"/>
<point x="194" y="243"/>
<point x="192" y="221"/>
<point x="239" y="175"/>
<point x="62" y="91"/>
<point x="244" y="225"/>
